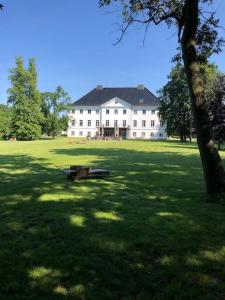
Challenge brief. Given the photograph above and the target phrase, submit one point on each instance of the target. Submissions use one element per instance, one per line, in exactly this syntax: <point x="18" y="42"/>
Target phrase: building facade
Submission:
<point x="130" y="113"/>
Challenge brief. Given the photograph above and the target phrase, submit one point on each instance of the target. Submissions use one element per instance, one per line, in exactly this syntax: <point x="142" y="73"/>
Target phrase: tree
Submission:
<point x="197" y="33"/>
<point x="5" y="121"/>
<point x="216" y="98"/>
<point x="175" y="108"/>
<point x="25" y="100"/>
<point x="175" y="99"/>
<point x="54" y="106"/>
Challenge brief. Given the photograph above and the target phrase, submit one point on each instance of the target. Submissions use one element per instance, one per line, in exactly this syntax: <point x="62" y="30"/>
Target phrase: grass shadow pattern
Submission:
<point x="147" y="232"/>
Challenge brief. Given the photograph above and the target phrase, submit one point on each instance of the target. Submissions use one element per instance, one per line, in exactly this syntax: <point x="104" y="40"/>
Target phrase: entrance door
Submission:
<point x="109" y="132"/>
<point x="123" y="133"/>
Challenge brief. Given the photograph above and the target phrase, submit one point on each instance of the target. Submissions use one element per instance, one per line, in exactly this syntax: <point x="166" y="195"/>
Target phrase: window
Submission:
<point x="161" y="123"/>
<point x="115" y="123"/>
<point x="153" y="112"/>
<point x="97" y="123"/>
<point x="135" y="112"/>
<point x="97" y="111"/>
<point x="107" y="111"/>
<point x="73" y="111"/>
<point x="89" y="111"/>
<point x="124" y="111"/>
<point x="143" y="123"/>
<point x="107" y="122"/>
<point x="81" y="111"/>
<point x="144" y="111"/>
<point x="116" y="111"/>
<point x="89" y="134"/>
<point x="152" y="134"/>
<point x="73" y="123"/>
<point x="81" y="123"/>
<point x="135" y="123"/>
<point x="89" y="122"/>
<point x="73" y="133"/>
<point x="143" y="134"/>
<point x="152" y="123"/>
<point x="124" y="123"/>
<point x="161" y="135"/>
<point x="80" y="133"/>
<point x="134" y="134"/>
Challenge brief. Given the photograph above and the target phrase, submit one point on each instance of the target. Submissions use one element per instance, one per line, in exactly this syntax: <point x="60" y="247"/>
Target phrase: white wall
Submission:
<point x="120" y="106"/>
<point x="75" y="117"/>
<point x="148" y="131"/>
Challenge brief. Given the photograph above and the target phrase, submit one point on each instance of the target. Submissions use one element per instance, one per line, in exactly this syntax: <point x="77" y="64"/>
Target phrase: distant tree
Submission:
<point x="25" y="100"/>
<point x="5" y="121"/>
<point x="197" y="33"/>
<point x="54" y="107"/>
<point x="175" y="108"/>
<point x="175" y="99"/>
<point x="216" y="98"/>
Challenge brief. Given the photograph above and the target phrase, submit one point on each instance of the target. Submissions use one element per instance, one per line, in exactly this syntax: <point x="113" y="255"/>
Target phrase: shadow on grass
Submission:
<point x="146" y="232"/>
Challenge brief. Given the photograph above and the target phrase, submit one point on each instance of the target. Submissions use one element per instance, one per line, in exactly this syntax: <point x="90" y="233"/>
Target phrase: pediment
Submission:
<point x="116" y="102"/>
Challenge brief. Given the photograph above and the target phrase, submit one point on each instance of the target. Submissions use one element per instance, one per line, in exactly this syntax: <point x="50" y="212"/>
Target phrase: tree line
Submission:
<point x="31" y="113"/>
<point x="175" y="101"/>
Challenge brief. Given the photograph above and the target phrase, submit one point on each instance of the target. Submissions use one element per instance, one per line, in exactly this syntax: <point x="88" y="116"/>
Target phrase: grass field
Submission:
<point x="149" y="231"/>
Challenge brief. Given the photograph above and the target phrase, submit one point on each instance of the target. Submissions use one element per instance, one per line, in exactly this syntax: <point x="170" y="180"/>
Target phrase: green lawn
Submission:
<point x="147" y="232"/>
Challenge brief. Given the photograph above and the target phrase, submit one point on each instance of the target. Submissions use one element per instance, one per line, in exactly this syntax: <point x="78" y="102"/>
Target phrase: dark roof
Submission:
<point x="134" y="96"/>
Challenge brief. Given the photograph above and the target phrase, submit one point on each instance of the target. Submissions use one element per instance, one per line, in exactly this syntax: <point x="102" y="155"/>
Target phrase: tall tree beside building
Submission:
<point x="25" y="100"/>
<point x="175" y="102"/>
<point x="54" y="108"/>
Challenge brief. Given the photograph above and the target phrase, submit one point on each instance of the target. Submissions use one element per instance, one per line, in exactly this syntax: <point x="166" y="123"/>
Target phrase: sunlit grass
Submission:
<point x="149" y="231"/>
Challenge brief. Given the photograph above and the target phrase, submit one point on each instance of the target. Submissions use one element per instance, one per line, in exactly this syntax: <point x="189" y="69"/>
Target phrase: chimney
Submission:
<point x="99" y="88"/>
<point x="140" y="87"/>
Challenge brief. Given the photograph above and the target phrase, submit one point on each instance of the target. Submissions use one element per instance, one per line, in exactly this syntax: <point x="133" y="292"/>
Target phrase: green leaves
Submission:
<point x="5" y="121"/>
<point x="54" y="106"/>
<point x="25" y="100"/>
<point x="176" y="104"/>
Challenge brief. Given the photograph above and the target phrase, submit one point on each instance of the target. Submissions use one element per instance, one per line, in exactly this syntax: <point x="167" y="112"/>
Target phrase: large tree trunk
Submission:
<point x="211" y="161"/>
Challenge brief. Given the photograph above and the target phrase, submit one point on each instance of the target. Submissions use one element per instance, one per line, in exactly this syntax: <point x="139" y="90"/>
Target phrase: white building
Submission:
<point x="126" y="112"/>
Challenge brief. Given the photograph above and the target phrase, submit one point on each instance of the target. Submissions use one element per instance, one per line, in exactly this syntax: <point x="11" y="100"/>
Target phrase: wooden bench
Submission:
<point x="79" y="172"/>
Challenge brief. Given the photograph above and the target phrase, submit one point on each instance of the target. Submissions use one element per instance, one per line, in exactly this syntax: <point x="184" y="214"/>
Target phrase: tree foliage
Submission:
<point x="175" y="108"/>
<point x="54" y="107"/>
<point x="216" y="99"/>
<point x="25" y="100"/>
<point x="172" y="12"/>
<point x="5" y="121"/>
<point x="175" y="99"/>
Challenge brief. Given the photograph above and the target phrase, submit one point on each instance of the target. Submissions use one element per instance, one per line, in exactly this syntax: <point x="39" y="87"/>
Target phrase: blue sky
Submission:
<point x="72" y="42"/>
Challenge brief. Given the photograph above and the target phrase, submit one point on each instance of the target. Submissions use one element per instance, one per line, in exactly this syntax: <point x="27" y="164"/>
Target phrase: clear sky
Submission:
<point x="72" y="41"/>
